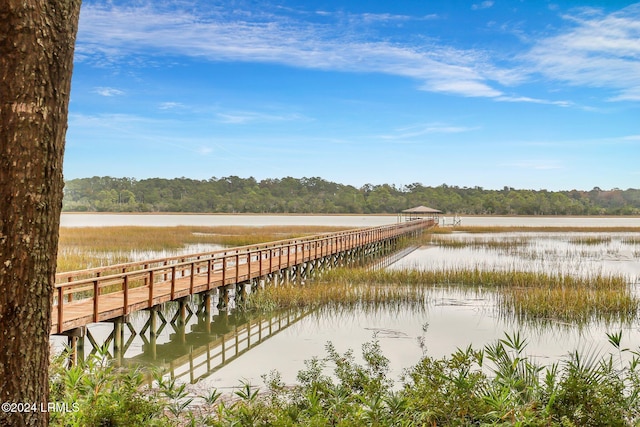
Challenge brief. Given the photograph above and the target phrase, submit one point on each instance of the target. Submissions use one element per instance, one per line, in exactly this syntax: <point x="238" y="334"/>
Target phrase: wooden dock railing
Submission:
<point x="104" y="293"/>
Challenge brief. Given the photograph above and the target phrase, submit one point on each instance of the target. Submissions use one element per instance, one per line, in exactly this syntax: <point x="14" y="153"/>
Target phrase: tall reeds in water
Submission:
<point x="528" y="295"/>
<point x="332" y="294"/>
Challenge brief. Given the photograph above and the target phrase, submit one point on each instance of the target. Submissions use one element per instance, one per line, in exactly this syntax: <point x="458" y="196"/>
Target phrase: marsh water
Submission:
<point x="446" y="320"/>
<point x="169" y="220"/>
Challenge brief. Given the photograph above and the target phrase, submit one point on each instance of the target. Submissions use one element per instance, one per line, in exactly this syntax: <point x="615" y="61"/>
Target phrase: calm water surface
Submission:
<point x="163" y="220"/>
<point x="448" y="319"/>
<point x="567" y="253"/>
<point x="452" y="318"/>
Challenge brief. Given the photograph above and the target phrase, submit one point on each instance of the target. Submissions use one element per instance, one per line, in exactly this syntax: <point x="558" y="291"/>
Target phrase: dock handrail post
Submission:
<point x="70" y="279"/>
<point x="96" y="293"/>
<point x="60" y="308"/>
<point x="237" y="266"/>
<point x="191" y="277"/>
<point x="151" y="288"/>
<point x="224" y="269"/>
<point x="173" y="282"/>
<point x="125" y="288"/>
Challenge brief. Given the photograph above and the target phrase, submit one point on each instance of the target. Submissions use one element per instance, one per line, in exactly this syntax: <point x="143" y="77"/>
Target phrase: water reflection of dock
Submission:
<point x="188" y="359"/>
<point x="188" y="340"/>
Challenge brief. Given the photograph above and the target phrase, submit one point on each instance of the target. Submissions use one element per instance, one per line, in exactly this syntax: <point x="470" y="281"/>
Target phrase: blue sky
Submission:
<point x="527" y="94"/>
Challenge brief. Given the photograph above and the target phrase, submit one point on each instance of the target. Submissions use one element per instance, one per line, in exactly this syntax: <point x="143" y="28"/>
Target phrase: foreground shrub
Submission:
<point x="447" y="391"/>
<point x="99" y="394"/>
<point x="497" y="385"/>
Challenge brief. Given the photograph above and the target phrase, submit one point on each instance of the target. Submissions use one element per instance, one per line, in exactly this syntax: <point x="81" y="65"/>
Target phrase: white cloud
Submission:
<point x="632" y="138"/>
<point x="171" y="105"/>
<point x="426" y="129"/>
<point x="244" y="117"/>
<point x="471" y="88"/>
<point x="388" y="17"/>
<point x="601" y="51"/>
<point x="484" y="5"/>
<point x="108" y="91"/>
<point x="534" y="100"/>
<point x="629" y="94"/>
<point x="109" y="33"/>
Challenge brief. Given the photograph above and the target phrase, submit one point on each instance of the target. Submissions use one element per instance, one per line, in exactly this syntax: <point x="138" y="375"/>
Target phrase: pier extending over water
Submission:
<point x="110" y="292"/>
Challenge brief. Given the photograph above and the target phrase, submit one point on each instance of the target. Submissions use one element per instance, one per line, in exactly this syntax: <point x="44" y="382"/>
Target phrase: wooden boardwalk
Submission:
<point x="99" y="294"/>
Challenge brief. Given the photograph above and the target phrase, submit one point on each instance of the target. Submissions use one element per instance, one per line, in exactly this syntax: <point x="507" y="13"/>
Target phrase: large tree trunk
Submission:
<point x="37" y="39"/>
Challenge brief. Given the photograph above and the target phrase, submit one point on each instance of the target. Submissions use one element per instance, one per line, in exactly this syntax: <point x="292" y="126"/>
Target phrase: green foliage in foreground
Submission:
<point x="98" y="394"/>
<point x="498" y="385"/>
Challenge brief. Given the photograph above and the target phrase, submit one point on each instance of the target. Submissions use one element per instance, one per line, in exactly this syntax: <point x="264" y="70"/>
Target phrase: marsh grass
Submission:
<point x="476" y="277"/>
<point x="527" y="238"/>
<point x="73" y="258"/>
<point x="591" y="240"/>
<point x="524" y="294"/>
<point x="574" y="305"/>
<point x="107" y="239"/>
<point x="329" y="295"/>
<point x="88" y="247"/>
<point x="488" y="243"/>
<point x="631" y="240"/>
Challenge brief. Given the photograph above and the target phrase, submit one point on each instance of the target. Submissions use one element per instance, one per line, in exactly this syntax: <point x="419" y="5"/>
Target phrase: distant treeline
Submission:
<point x="233" y="194"/>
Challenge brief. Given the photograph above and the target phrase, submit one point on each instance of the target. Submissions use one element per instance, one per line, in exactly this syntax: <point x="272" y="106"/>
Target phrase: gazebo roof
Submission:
<point x="421" y="210"/>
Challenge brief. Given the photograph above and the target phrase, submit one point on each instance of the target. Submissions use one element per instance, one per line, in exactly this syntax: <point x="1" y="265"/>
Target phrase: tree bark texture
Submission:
<point x="37" y="39"/>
